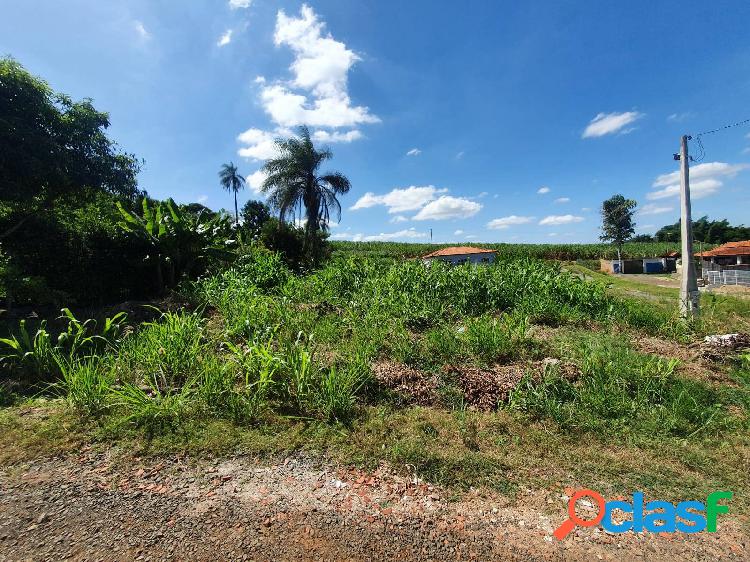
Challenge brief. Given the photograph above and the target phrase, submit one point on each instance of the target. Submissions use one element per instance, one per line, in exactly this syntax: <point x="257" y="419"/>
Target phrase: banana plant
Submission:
<point x="180" y="241"/>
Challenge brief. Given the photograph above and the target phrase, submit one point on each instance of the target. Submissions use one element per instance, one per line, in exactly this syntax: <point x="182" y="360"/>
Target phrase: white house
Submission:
<point x="461" y="254"/>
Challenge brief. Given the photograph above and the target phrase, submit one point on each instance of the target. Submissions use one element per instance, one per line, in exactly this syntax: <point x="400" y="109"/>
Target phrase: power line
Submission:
<point x="724" y="127"/>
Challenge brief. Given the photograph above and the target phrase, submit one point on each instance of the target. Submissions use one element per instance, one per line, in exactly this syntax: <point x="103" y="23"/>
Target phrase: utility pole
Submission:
<point x="430" y="236"/>
<point x="689" y="295"/>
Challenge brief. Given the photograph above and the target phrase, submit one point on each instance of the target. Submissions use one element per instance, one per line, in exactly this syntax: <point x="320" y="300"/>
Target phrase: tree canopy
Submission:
<point x="294" y="183"/>
<point x="706" y="231"/>
<point x="51" y="145"/>
<point x="617" y="220"/>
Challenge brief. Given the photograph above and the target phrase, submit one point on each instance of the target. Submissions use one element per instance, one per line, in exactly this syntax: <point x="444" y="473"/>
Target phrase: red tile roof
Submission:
<point x="458" y="251"/>
<point x="728" y="249"/>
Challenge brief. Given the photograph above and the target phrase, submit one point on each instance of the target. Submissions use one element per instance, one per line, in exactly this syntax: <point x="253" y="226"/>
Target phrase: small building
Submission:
<point x="732" y="255"/>
<point x="666" y="264"/>
<point x="461" y="254"/>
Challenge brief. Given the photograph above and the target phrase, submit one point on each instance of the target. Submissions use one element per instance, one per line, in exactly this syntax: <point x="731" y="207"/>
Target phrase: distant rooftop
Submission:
<point x="728" y="249"/>
<point x="458" y="251"/>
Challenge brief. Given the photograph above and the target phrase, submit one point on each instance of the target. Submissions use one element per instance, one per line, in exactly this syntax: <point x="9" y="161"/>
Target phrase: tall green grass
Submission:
<point x="621" y="391"/>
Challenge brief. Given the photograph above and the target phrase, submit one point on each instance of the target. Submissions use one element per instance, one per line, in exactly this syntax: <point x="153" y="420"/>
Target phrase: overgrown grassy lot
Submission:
<point x="262" y="361"/>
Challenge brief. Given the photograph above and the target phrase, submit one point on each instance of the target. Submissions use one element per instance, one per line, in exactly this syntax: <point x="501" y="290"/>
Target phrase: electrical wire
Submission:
<point x="724" y="127"/>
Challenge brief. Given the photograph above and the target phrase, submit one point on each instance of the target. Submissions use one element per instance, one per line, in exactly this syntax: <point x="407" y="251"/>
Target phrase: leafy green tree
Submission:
<point x="706" y="231"/>
<point x="294" y="181"/>
<point x="254" y="215"/>
<point x="617" y="221"/>
<point x="51" y="147"/>
<point x="231" y="180"/>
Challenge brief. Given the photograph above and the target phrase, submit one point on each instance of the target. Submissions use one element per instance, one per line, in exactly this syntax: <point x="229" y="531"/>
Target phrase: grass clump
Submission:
<point x="166" y="352"/>
<point x="622" y="392"/>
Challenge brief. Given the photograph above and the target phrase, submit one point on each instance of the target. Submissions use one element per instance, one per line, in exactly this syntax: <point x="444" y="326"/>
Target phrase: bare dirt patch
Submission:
<point x="483" y="388"/>
<point x="88" y="507"/>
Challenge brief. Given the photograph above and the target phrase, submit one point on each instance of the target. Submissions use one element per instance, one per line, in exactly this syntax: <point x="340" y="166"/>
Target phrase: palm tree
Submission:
<point x="232" y="180"/>
<point x="293" y="182"/>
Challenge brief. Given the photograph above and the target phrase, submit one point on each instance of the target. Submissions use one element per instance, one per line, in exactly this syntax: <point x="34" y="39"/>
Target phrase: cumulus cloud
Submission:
<point x="609" y="123"/>
<point x="400" y="200"/>
<point x="544" y="189"/>
<point x="255" y="180"/>
<point x="399" y="218"/>
<point x="317" y="94"/>
<point x="239" y="4"/>
<point x="448" y="207"/>
<point x="562" y="200"/>
<point x="704" y="180"/>
<point x="225" y="39"/>
<point x="654" y="209"/>
<point x="560" y="219"/>
<point x="337" y="136"/>
<point x="506" y="222"/>
<point x="260" y="144"/>
<point x="414" y="152"/>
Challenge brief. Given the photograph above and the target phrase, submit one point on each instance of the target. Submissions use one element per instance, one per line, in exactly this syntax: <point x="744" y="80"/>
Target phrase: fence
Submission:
<point x="728" y="277"/>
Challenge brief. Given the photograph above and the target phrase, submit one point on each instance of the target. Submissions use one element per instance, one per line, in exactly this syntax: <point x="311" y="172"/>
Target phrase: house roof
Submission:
<point x="728" y="249"/>
<point x="458" y="251"/>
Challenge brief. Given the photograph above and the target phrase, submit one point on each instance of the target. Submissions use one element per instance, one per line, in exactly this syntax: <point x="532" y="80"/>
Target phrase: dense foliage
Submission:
<point x="617" y="220"/>
<point x="707" y="231"/>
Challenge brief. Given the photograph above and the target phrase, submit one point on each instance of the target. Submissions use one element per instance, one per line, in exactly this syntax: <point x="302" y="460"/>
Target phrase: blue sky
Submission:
<point x="483" y="121"/>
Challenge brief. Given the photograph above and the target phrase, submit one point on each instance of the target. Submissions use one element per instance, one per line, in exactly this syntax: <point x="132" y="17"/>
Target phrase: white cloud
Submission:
<point x="383" y="236"/>
<point x="202" y="199"/>
<point x="654" y="209"/>
<point x="141" y="30"/>
<point x="585" y="209"/>
<point x="482" y="194"/>
<point x="400" y="200"/>
<point x="237" y="4"/>
<point x="399" y="218"/>
<point x="317" y="94"/>
<point x="506" y="222"/>
<point x="255" y="180"/>
<point x="336" y="136"/>
<point x="260" y="80"/>
<point x="414" y="152"/>
<point x="679" y="117"/>
<point x="544" y="189"/>
<point x="552" y="234"/>
<point x="225" y="39"/>
<point x="698" y="190"/>
<point x="609" y="123"/>
<point x="471" y="236"/>
<point x="260" y="144"/>
<point x="562" y="200"/>
<point x="703" y="180"/>
<point x="560" y="219"/>
<point x="460" y="155"/>
<point x="705" y="170"/>
<point x="459" y="232"/>
<point x="447" y="207"/>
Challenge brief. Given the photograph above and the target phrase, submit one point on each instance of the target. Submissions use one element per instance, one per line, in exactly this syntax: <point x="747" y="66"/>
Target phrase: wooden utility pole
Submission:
<point x="689" y="295"/>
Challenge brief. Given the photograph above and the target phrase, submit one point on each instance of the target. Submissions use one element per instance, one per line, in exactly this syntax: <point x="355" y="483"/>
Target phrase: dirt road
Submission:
<point x="91" y="507"/>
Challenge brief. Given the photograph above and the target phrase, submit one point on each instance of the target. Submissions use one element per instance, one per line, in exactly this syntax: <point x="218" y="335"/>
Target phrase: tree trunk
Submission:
<point x="236" y="214"/>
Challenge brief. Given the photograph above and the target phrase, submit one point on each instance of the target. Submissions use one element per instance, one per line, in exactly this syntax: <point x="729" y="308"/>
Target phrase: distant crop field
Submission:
<point x="564" y="252"/>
